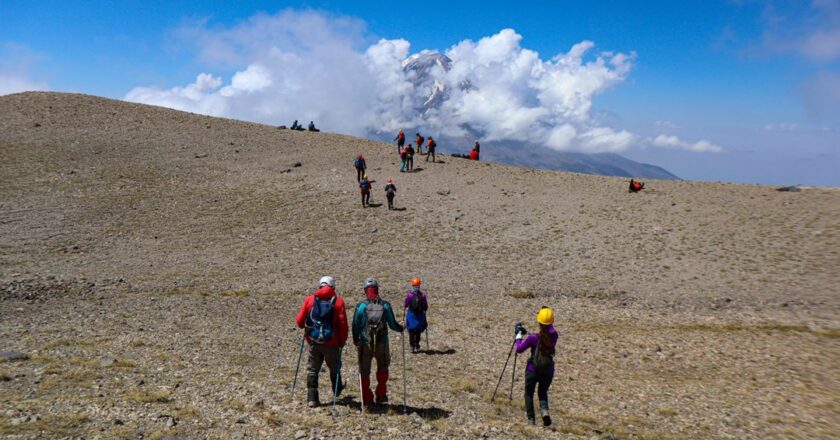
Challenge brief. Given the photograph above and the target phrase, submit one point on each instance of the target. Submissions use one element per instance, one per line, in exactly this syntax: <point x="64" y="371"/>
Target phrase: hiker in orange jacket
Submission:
<point x="400" y="141"/>
<point x="324" y="321"/>
<point x="418" y="140"/>
<point x="431" y="145"/>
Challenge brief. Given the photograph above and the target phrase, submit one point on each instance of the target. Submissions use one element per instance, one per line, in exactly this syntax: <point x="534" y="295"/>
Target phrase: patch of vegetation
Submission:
<point x="522" y="294"/>
<point x="667" y="412"/>
<point x="462" y="384"/>
<point x="161" y="395"/>
<point x="5" y="376"/>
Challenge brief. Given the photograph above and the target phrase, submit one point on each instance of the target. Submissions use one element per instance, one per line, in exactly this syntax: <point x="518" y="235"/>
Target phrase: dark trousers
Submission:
<point x="365" y="199"/>
<point x="414" y="339"/>
<point x="410" y="163"/>
<point x="540" y="382"/>
<point x="390" y="197"/>
<point x="359" y="173"/>
<point x="431" y="154"/>
<point x="319" y="355"/>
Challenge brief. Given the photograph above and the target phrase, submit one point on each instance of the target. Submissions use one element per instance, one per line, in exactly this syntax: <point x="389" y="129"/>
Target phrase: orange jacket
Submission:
<point x="339" y="315"/>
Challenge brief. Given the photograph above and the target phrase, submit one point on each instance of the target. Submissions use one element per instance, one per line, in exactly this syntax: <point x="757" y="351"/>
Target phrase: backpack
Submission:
<point x="364" y="184"/>
<point x="320" y="320"/>
<point x="416" y="304"/>
<point x="432" y="144"/>
<point x="375" y="312"/>
<point x="542" y="362"/>
<point x="420" y="140"/>
<point x="358" y="163"/>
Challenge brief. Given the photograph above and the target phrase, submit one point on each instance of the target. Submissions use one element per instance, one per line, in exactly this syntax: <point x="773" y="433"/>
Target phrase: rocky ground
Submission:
<point x="151" y="263"/>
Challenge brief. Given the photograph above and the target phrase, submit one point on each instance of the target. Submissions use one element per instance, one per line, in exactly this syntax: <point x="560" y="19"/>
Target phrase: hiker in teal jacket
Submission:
<point x="371" y="320"/>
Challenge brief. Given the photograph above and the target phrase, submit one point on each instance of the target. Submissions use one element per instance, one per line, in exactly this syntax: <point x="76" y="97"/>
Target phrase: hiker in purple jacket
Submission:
<point x="540" y="369"/>
<point x="416" y="305"/>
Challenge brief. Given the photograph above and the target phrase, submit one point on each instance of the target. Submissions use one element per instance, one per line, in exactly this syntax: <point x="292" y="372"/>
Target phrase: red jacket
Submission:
<point x="474" y="154"/>
<point x="339" y="315"/>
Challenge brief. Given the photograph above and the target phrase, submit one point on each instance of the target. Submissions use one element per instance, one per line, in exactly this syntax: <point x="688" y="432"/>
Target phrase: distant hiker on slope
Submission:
<point x="416" y="305"/>
<point x="390" y="193"/>
<point x="431" y="148"/>
<point x="371" y="320"/>
<point x="312" y="127"/>
<point x="404" y="159"/>
<point x="365" y="187"/>
<point x="418" y="140"/>
<point x="410" y="158"/>
<point x="539" y="371"/>
<point x="635" y="186"/>
<point x="400" y="141"/>
<point x="475" y="151"/>
<point x="325" y="322"/>
<point x="296" y="126"/>
<point x="360" y="166"/>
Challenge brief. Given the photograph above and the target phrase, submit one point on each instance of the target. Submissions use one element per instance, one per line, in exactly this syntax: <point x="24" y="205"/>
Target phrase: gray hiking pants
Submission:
<point x="318" y="355"/>
<point x="381" y="353"/>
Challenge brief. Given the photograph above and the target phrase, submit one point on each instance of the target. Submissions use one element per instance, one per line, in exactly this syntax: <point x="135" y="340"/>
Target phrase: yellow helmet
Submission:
<point x="545" y="316"/>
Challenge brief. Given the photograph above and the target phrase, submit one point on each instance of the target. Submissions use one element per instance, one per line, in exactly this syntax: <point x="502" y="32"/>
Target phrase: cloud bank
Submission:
<point x="15" y="66"/>
<point x="311" y="66"/>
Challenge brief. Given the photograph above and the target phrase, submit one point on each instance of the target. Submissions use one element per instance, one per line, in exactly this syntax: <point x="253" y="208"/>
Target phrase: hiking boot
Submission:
<point x="546" y="418"/>
<point x="382" y="400"/>
<point x="312" y="397"/>
<point x="312" y="403"/>
<point x="531" y="421"/>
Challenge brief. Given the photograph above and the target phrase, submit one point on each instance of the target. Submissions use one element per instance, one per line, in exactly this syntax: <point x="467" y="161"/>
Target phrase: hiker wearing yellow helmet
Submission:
<point x="416" y="305"/>
<point x="540" y="369"/>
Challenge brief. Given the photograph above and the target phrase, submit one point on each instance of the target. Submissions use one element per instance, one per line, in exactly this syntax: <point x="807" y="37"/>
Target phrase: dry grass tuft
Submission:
<point x="161" y="395"/>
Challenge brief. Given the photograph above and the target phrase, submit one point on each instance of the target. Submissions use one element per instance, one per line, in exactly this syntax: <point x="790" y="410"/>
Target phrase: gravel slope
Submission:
<point x="151" y="262"/>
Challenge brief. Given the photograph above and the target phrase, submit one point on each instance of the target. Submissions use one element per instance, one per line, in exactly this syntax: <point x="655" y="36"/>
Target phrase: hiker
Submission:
<point x="361" y="166"/>
<point x="296" y="126"/>
<point x="474" y="152"/>
<point x="400" y="141"/>
<point x="418" y="140"/>
<point x="540" y="368"/>
<point x="410" y="158"/>
<point x="371" y="320"/>
<point x="477" y="146"/>
<point x="416" y="305"/>
<point x="430" y="147"/>
<point x="635" y="186"/>
<point x="390" y="192"/>
<point x="325" y="322"/>
<point x="312" y="127"/>
<point x="365" y="186"/>
<point x="404" y="158"/>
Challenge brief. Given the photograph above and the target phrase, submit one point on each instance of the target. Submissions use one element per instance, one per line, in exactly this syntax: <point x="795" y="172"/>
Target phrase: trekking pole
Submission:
<point x="503" y="371"/>
<point x="405" y="397"/>
<point x="300" y="354"/>
<point x="337" y="379"/>
<point x="513" y="375"/>
<point x="361" y="387"/>
<point x="427" y="336"/>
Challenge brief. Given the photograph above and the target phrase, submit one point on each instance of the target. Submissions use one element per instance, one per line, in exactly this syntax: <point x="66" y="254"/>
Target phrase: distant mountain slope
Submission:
<point x="606" y="164"/>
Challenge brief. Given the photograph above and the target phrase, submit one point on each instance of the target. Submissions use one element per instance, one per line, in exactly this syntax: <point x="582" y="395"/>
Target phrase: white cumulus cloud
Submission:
<point x="307" y="65"/>
<point x="701" y="146"/>
<point x="16" y="63"/>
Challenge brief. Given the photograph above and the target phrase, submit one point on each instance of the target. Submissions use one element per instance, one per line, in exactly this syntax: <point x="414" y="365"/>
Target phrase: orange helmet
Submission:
<point x="415" y="282"/>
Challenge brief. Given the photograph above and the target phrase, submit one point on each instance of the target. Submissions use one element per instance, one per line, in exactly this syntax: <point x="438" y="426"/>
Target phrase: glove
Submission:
<point x="519" y="336"/>
<point x="520" y="329"/>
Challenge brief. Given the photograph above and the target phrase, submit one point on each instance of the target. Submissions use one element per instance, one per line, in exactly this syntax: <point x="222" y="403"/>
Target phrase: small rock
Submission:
<point x="12" y="355"/>
<point x="297" y="164"/>
<point x="622" y="405"/>
<point x="373" y="230"/>
<point x="300" y="434"/>
<point x="426" y="427"/>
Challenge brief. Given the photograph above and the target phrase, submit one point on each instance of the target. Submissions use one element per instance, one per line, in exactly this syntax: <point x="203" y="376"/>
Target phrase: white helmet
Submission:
<point x="371" y="282"/>
<point x="327" y="281"/>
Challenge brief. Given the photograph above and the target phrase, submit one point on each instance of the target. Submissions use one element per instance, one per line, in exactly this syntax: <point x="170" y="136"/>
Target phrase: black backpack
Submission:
<point x="542" y="362"/>
<point x="375" y="311"/>
<point x="320" y="320"/>
<point x="416" y="303"/>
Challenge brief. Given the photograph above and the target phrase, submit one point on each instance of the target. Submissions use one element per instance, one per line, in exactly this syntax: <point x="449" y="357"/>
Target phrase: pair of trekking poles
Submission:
<point x="512" y="376"/>
<point x="337" y="375"/>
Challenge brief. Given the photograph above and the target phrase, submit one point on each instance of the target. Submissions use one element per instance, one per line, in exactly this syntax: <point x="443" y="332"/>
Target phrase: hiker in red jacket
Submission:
<point x="430" y="146"/>
<point x="324" y="321"/>
<point x="474" y="154"/>
<point x="400" y="141"/>
<point x="418" y="140"/>
<point x="635" y="186"/>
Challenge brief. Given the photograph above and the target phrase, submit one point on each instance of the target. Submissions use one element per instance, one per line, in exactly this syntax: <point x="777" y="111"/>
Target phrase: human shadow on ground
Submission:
<point x="416" y="170"/>
<point x="399" y="209"/>
<point x="438" y="352"/>
<point x="431" y="413"/>
<point x="374" y="205"/>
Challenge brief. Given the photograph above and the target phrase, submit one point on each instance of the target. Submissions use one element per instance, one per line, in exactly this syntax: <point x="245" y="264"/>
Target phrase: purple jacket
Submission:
<point x="416" y="321"/>
<point x="531" y="342"/>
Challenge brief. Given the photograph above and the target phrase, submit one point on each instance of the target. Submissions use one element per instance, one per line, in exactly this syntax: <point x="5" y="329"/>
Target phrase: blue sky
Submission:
<point x="760" y="80"/>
